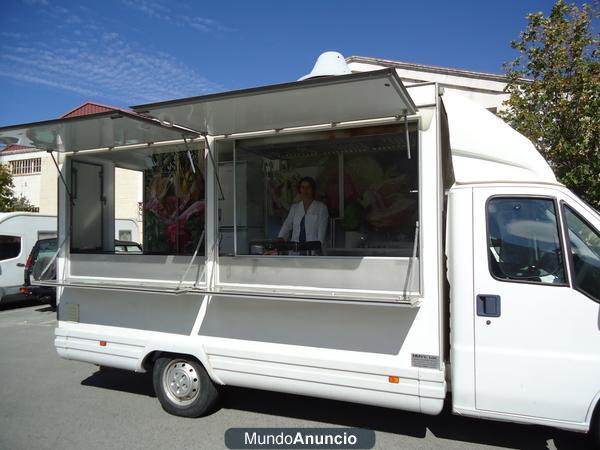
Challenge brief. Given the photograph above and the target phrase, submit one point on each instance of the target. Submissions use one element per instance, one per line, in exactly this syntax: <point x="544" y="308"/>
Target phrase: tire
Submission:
<point x="183" y="387"/>
<point x="595" y="428"/>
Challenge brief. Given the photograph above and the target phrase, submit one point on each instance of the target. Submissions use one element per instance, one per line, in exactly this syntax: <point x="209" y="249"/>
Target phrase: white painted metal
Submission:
<point x="539" y="361"/>
<point x="486" y="149"/>
<point x="508" y="370"/>
<point x="328" y="64"/>
<point x="310" y="102"/>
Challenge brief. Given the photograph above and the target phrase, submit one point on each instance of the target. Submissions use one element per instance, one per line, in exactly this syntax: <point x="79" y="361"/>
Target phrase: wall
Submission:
<point x="488" y="93"/>
<point x="48" y="187"/>
<point x="28" y="186"/>
<point x="128" y="193"/>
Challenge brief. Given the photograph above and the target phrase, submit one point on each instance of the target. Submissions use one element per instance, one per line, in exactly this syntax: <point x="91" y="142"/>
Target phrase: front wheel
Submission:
<point x="595" y="431"/>
<point x="183" y="387"/>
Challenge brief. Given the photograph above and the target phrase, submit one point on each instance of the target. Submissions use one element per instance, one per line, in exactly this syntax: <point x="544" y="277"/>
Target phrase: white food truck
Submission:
<point x="19" y="231"/>
<point x="452" y="261"/>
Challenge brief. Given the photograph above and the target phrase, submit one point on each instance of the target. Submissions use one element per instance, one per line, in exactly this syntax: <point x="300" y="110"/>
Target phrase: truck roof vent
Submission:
<point x="328" y="64"/>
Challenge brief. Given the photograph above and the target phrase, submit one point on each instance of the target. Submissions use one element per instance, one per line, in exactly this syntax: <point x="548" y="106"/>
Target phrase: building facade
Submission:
<point x="485" y="89"/>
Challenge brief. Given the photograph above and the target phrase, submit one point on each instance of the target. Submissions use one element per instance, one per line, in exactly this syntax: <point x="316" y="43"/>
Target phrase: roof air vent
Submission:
<point x="328" y="64"/>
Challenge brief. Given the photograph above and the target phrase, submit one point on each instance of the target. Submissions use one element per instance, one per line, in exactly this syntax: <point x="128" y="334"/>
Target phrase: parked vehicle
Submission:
<point x="41" y="256"/>
<point x="19" y="231"/>
<point x="41" y="252"/>
<point x="453" y="260"/>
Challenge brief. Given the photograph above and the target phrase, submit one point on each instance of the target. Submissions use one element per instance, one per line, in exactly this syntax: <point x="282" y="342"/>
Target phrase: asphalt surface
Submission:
<point x="50" y="403"/>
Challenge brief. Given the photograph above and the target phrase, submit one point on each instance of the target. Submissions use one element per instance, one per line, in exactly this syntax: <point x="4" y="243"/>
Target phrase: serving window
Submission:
<point x="161" y="191"/>
<point x="346" y="200"/>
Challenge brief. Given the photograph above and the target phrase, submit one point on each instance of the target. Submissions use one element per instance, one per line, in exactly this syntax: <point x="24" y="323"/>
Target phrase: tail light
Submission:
<point x="28" y="263"/>
<point x="24" y="290"/>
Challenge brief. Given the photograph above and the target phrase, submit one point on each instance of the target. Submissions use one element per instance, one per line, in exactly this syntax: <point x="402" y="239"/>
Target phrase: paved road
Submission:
<point x="49" y="403"/>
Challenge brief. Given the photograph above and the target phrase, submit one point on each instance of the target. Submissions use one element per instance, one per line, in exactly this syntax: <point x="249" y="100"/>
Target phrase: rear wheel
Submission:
<point x="183" y="387"/>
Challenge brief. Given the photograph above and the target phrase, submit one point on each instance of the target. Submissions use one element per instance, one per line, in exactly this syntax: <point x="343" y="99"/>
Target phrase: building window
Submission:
<point x="26" y="166"/>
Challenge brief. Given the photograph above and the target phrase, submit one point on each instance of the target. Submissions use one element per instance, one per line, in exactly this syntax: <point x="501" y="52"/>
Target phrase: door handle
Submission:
<point x="20" y="265"/>
<point x="488" y="305"/>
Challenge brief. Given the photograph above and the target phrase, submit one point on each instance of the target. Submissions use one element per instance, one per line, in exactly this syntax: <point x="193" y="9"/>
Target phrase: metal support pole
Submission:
<point x="412" y="259"/>
<point x="212" y="160"/>
<point x="192" y="260"/>
<point x="187" y="147"/>
<point x="407" y="136"/>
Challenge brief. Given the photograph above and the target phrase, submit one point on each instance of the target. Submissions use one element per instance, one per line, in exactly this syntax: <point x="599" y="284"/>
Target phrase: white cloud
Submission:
<point x="10" y="34"/>
<point x="103" y="66"/>
<point x="36" y="2"/>
<point x="161" y="11"/>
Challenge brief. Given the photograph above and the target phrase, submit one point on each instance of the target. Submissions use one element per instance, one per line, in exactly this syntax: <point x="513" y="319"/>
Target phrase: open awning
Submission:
<point x="359" y="96"/>
<point x="103" y="130"/>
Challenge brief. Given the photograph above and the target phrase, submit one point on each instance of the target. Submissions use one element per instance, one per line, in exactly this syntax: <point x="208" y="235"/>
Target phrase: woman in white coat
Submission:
<point x="307" y="219"/>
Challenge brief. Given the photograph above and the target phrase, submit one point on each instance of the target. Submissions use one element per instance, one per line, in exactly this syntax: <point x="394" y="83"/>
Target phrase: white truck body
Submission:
<point x="373" y="330"/>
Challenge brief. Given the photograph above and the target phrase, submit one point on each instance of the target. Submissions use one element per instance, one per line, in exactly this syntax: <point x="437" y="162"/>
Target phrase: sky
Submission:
<point x="56" y="55"/>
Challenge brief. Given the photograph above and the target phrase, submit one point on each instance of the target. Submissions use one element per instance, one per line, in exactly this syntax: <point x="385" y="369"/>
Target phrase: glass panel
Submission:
<point x="347" y="192"/>
<point x="42" y="253"/>
<point x="154" y="196"/>
<point x="46" y="248"/>
<point x="585" y="254"/>
<point x="79" y="133"/>
<point x="10" y="247"/>
<point x="381" y="199"/>
<point x="174" y="203"/>
<point x="523" y="240"/>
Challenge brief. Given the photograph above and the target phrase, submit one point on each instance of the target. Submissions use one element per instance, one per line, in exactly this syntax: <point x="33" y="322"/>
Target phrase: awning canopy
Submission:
<point x="104" y="130"/>
<point x="359" y="96"/>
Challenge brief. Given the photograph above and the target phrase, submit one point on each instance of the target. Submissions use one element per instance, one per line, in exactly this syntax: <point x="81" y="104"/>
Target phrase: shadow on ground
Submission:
<point x="46" y="308"/>
<point x="121" y="380"/>
<point x="15" y="302"/>
<point x="329" y="412"/>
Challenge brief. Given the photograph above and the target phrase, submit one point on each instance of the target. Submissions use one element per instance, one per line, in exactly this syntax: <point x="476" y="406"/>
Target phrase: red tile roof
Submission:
<point x="89" y="108"/>
<point x="14" y="149"/>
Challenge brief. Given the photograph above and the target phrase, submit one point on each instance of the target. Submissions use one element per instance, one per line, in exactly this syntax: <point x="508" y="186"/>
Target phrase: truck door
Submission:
<point x="537" y="334"/>
<point x="88" y="203"/>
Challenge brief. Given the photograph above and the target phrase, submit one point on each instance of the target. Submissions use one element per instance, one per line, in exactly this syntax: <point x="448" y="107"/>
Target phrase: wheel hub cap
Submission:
<point x="181" y="382"/>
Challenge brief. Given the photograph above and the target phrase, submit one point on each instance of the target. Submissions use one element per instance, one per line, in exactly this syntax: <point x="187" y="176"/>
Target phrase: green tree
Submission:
<point x="8" y="201"/>
<point x="554" y="87"/>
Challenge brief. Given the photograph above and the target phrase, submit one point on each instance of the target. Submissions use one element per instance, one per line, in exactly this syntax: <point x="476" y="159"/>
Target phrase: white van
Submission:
<point x="19" y="231"/>
<point x="448" y="258"/>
